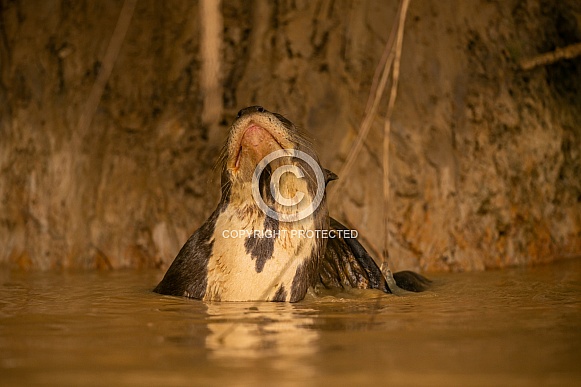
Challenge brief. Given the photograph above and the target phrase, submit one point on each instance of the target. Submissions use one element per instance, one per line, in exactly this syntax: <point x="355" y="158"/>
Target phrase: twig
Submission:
<point x="387" y="134"/>
<point x="567" y="52"/>
<point x="108" y="62"/>
<point x="378" y="86"/>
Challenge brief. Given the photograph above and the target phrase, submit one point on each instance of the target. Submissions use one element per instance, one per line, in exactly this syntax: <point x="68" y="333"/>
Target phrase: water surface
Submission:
<point x="513" y="327"/>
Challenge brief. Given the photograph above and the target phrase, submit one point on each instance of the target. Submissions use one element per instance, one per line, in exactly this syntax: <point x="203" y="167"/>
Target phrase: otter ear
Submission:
<point x="329" y="176"/>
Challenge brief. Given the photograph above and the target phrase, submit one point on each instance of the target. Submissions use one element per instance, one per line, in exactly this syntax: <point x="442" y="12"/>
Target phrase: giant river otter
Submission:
<point x="271" y="236"/>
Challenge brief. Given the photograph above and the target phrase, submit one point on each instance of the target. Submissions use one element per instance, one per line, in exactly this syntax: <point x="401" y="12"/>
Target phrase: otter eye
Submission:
<point x="260" y="109"/>
<point x="240" y="113"/>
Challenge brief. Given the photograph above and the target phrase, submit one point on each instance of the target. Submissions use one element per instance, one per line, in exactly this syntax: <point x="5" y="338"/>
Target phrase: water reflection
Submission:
<point x="512" y="327"/>
<point x="262" y="330"/>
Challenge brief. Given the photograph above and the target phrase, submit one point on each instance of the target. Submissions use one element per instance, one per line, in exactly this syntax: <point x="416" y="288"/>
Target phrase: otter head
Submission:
<point x="274" y="199"/>
<point x="250" y="249"/>
<point x="267" y="156"/>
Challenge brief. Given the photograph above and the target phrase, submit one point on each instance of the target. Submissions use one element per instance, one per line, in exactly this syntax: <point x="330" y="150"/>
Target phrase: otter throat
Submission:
<point x="256" y="257"/>
<point x="240" y="253"/>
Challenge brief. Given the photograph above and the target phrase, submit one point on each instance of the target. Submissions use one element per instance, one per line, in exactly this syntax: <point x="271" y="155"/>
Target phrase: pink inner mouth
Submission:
<point x="258" y="141"/>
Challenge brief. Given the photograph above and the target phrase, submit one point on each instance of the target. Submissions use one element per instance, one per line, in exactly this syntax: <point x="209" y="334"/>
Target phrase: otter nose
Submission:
<point x="250" y="109"/>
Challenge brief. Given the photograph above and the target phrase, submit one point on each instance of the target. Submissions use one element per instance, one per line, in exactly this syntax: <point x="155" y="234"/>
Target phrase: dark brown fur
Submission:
<point x="334" y="262"/>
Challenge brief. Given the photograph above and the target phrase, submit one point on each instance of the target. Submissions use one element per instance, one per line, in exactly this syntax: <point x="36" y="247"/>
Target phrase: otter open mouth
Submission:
<point x="256" y="133"/>
<point x="255" y="143"/>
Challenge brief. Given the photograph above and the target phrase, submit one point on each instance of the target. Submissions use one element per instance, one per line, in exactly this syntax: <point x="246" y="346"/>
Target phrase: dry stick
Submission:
<point x="371" y="109"/>
<point x="390" y="54"/>
<point x="108" y="62"/>
<point x="386" y="137"/>
<point x="92" y="103"/>
<point x="567" y="52"/>
<point x="387" y="55"/>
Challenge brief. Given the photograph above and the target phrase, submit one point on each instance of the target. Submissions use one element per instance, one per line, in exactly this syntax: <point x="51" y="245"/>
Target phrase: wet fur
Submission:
<point x="214" y="268"/>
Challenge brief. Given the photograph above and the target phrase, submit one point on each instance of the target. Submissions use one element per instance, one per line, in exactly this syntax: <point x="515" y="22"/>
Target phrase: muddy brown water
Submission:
<point x="513" y="327"/>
